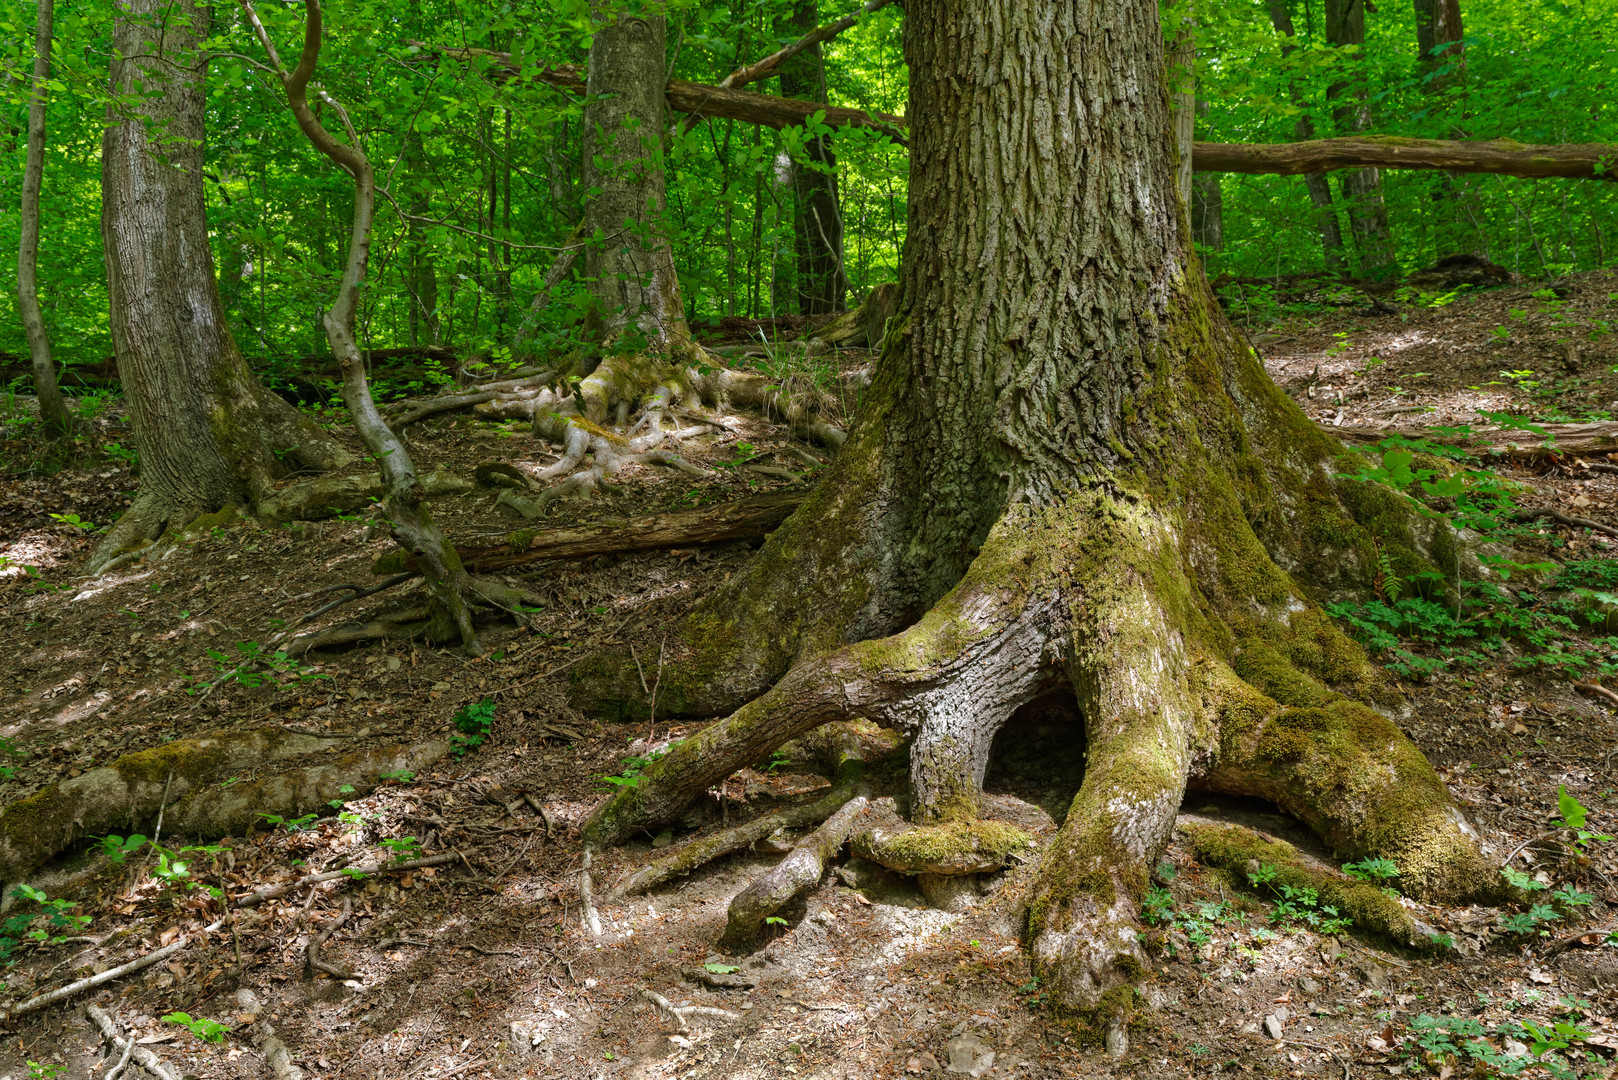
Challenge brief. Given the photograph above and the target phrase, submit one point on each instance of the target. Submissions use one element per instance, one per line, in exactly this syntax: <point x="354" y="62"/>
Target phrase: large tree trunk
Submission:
<point x="1069" y="471"/>
<point x="1361" y="188"/>
<point x="817" y="219"/>
<point x="205" y="427"/>
<point x="631" y="267"/>
<point x="52" y="409"/>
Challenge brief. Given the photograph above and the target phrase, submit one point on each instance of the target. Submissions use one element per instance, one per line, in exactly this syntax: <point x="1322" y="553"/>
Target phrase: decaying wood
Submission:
<point x="681" y="1014"/>
<point x="127" y="1045"/>
<point x="1584" y="161"/>
<point x="798" y="871"/>
<point x="743" y="519"/>
<point x="1576" y="440"/>
<point x="705" y="849"/>
<point x="1581" y="161"/>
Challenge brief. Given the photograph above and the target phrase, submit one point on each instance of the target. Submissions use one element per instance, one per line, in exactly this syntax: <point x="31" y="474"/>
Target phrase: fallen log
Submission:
<point x="742" y="519"/>
<point x="1577" y="440"/>
<point x="798" y="872"/>
<point x="1580" y="161"/>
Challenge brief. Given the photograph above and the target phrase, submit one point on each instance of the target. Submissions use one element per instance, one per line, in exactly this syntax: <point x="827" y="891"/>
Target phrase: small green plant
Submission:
<point x="720" y="969"/>
<point x="127" y="455"/>
<point x="55" y="913"/>
<point x="254" y="665"/>
<point x="209" y="1031"/>
<point x="775" y="920"/>
<point x="633" y="766"/>
<point x="403" y="849"/>
<point x="291" y="825"/>
<point x="40" y="1070"/>
<point x="398" y="776"/>
<point x="780" y="759"/>
<point x="118" y="848"/>
<point x="74" y="520"/>
<point x="1298" y="905"/>
<point x="472" y="723"/>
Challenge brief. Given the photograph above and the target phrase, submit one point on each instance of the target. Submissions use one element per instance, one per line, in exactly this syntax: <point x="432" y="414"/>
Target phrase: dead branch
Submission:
<point x="311" y="957"/>
<point x="257" y="898"/>
<point x="1565" y="519"/>
<point x="142" y="1056"/>
<point x="1581" y="161"/>
<point x="800" y="870"/>
<point x="679" y="1013"/>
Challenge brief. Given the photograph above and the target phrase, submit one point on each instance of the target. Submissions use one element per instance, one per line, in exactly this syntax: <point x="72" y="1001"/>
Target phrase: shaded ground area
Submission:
<point x="481" y="966"/>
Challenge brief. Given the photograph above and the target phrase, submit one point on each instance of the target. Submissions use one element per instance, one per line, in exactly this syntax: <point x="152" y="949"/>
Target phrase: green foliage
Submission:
<point x="254" y="665"/>
<point x="209" y="1031"/>
<point x="720" y="969"/>
<point x="403" y="849"/>
<point x="118" y="848"/>
<point x="46" y="926"/>
<point x="472" y="723"/>
<point x="398" y="776"/>
<point x="633" y="766"/>
<point x="1298" y="905"/>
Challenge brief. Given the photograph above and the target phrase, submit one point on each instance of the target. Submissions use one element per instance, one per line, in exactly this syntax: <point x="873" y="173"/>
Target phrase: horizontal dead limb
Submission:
<point x="1577" y="440"/>
<point x="798" y="871"/>
<point x="257" y="898"/>
<point x="1580" y="161"/>
<point x="768" y="66"/>
<point x="742" y="519"/>
<point x="705" y="849"/>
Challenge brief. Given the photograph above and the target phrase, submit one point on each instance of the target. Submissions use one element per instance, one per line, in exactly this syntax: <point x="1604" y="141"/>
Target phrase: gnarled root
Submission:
<point x="1093" y="592"/>
<point x="798" y="871"/>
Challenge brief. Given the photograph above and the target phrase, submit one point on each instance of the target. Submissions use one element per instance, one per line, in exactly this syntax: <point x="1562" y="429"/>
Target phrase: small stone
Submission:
<point x="1117" y="1041"/>
<point x="1308" y="985"/>
<point x="969" y="1055"/>
<point x="928" y="1062"/>
<point x="1272" y="1027"/>
<point x="663" y="839"/>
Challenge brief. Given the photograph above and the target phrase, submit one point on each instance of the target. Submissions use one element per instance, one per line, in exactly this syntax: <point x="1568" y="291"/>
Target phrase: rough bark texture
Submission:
<point x="52" y="409"/>
<point x="1361" y="188"/>
<point x="631" y="266"/>
<point x="205" y="427"/>
<point x="1069" y="470"/>
<point x="817" y="219"/>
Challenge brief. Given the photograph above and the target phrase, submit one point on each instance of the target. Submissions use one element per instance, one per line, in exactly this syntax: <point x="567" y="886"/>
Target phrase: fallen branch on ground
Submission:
<point x="800" y="870"/>
<point x="142" y="1056"/>
<point x="679" y="1013"/>
<point x="311" y="957"/>
<point x="1566" y="519"/>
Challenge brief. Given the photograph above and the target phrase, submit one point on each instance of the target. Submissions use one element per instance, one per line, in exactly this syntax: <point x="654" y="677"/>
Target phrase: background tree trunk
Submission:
<point x="1319" y="188"/>
<point x="1442" y="61"/>
<point x="1207" y="212"/>
<point x="52" y="409"/>
<point x="1361" y="188"/>
<point x="1183" y="81"/>
<point x="205" y="428"/>
<point x="817" y="219"/>
<point x="631" y="268"/>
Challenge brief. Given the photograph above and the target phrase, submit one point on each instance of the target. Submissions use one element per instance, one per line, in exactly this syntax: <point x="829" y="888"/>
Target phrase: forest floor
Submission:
<point x="481" y="966"/>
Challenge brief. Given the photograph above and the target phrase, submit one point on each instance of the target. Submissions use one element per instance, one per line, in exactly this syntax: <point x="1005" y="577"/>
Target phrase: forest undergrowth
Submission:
<point x="448" y="935"/>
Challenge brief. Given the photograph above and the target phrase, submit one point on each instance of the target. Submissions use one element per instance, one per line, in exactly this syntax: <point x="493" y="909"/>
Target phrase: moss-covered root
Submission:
<point x="1131" y="676"/>
<point x="800" y="870"/>
<point x="688" y="857"/>
<point x="1240" y="850"/>
<point x="1356" y="780"/>
<point x="126" y="795"/>
<point x="951" y="849"/>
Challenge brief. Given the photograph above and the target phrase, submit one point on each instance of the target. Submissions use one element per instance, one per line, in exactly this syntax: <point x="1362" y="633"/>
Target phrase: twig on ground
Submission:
<point x="1531" y="840"/>
<point x="545" y="815"/>
<point x="1323" y="1049"/>
<point x="143" y="1057"/>
<point x="1597" y="690"/>
<point x="254" y="899"/>
<point x="592" y="921"/>
<point x="311" y="957"/>
<point x="679" y="1013"/>
<point x="1566" y="519"/>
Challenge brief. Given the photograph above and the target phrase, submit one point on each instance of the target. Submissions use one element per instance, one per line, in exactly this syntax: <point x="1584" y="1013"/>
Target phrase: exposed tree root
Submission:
<point x="1240" y="850"/>
<point x="699" y="852"/>
<point x="1087" y="593"/>
<point x="681" y="1015"/>
<point x="125" y="796"/>
<point x="799" y="871"/>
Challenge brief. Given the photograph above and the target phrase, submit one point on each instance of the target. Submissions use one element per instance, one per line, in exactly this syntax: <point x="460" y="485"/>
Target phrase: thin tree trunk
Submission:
<point x="404" y="497"/>
<point x="1361" y="188"/>
<point x="1183" y="81"/>
<point x="52" y="409"/>
<point x="817" y="220"/>
<point x="1441" y="59"/>
<point x="1331" y="231"/>
<point x="1207" y="212"/>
